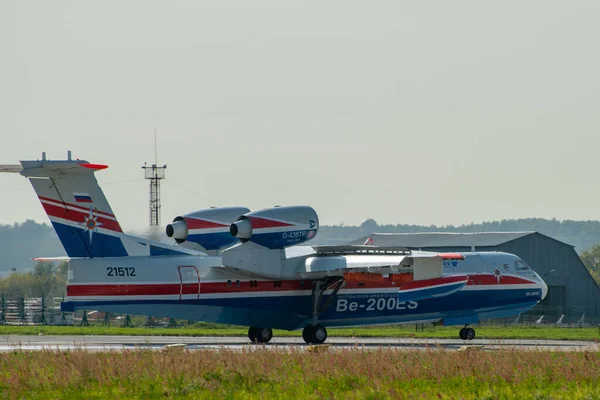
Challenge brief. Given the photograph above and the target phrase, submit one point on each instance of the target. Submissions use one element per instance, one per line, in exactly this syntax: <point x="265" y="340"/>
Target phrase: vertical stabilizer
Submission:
<point x="76" y="206"/>
<point x="80" y="213"/>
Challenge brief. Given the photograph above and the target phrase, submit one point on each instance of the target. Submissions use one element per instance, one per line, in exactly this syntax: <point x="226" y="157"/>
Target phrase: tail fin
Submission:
<point x="80" y="213"/>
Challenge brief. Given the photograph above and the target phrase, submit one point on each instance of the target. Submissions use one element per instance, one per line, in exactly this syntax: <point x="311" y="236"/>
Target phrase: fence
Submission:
<point x="40" y="310"/>
<point x="46" y="311"/>
<point x="32" y="310"/>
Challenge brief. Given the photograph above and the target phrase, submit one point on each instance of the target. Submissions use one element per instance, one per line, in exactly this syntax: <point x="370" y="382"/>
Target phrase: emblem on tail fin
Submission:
<point x="91" y="223"/>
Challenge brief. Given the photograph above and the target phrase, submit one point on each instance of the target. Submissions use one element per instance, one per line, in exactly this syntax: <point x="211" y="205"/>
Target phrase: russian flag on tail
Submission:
<point x="82" y="197"/>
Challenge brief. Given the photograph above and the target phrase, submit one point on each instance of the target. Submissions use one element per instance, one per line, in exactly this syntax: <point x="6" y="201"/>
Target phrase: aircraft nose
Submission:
<point x="544" y="289"/>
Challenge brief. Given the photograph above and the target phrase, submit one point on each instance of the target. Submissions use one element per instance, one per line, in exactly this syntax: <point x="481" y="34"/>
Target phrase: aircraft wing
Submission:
<point x="417" y="275"/>
<point x="337" y="260"/>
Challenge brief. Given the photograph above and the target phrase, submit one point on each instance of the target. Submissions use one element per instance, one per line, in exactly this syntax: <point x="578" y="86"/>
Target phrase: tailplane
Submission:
<point x="80" y="213"/>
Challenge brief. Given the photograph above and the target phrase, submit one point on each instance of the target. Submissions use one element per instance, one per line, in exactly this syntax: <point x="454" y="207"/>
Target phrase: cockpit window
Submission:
<point x="520" y="265"/>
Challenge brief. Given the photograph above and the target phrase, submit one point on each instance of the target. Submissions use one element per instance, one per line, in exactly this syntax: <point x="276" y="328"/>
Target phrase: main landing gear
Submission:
<point x="467" y="333"/>
<point x="315" y="334"/>
<point x="260" y="335"/>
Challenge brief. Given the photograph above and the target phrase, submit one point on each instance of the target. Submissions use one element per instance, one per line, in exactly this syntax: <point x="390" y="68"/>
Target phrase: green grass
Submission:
<point x="297" y="374"/>
<point x="489" y="332"/>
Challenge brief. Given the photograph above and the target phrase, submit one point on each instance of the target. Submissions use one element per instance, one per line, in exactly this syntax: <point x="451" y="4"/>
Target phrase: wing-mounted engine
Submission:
<point x="265" y="234"/>
<point x="277" y="227"/>
<point x="208" y="228"/>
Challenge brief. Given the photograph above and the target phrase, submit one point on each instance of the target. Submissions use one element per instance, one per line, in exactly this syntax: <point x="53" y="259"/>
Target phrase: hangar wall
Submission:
<point x="572" y="291"/>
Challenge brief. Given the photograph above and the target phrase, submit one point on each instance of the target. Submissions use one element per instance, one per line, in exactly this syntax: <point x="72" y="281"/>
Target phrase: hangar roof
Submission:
<point x="442" y="239"/>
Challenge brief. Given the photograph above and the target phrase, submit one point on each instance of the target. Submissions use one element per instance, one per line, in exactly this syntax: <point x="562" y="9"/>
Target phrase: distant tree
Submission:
<point x="591" y="259"/>
<point x="46" y="278"/>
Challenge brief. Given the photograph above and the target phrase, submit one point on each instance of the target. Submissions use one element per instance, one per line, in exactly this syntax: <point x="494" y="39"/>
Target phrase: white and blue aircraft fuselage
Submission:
<point x="239" y="267"/>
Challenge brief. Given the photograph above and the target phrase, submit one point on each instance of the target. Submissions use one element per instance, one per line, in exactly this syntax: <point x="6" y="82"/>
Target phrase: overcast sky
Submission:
<point x="440" y="112"/>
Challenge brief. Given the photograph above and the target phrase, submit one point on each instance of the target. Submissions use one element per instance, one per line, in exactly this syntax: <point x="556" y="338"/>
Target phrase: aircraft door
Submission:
<point x="190" y="283"/>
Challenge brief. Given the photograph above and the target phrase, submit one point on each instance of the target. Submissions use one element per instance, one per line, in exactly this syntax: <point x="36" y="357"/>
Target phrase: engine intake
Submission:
<point x="178" y="229"/>
<point x="277" y="227"/>
<point x="209" y="228"/>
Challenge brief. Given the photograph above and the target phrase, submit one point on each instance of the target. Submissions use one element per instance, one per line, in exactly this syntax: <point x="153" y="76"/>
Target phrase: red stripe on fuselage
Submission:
<point x="131" y="290"/>
<point x="174" y="288"/>
<point x="491" y="279"/>
<point x="75" y="206"/>
<point x="226" y="287"/>
<point x="80" y="216"/>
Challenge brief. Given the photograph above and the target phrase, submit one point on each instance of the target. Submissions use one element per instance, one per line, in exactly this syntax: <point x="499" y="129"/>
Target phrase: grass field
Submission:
<point x="297" y="374"/>
<point x="489" y="332"/>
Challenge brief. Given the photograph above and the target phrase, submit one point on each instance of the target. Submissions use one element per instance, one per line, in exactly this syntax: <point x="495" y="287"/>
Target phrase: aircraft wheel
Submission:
<point x="319" y="334"/>
<point x="470" y="333"/>
<point x="463" y="333"/>
<point x="264" y="335"/>
<point x="314" y="334"/>
<point x="306" y="333"/>
<point x="252" y="334"/>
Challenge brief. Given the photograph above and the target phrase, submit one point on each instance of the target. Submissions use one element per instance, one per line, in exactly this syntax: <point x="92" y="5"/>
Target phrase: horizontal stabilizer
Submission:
<point x="51" y="259"/>
<point x="15" y="169"/>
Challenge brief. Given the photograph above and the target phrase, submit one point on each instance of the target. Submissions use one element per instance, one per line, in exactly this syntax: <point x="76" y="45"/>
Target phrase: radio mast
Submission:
<point x="154" y="173"/>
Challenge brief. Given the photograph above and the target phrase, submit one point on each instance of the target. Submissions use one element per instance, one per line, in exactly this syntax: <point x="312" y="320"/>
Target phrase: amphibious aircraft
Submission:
<point x="236" y="266"/>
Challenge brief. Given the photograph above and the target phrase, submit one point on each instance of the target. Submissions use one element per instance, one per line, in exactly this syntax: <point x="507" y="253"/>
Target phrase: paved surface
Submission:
<point x="119" y="343"/>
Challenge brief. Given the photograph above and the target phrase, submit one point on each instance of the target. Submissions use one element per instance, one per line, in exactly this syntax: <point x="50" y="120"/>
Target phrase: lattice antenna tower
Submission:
<point x="154" y="174"/>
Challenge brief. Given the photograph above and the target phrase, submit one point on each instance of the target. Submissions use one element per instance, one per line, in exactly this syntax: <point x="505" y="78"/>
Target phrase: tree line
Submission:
<point x="581" y="234"/>
<point x="47" y="279"/>
<point x="20" y="243"/>
<point x="591" y="259"/>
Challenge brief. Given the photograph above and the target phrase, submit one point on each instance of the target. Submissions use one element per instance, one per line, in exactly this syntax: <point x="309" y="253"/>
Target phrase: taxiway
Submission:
<point x="120" y="343"/>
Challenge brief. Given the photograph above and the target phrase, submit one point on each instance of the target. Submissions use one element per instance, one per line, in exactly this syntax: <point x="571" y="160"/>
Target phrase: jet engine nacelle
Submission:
<point x="209" y="228"/>
<point x="277" y="227"/>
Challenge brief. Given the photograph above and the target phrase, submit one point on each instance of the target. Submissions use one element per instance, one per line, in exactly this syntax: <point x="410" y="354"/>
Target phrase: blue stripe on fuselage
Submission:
<point x="292" y="312"/>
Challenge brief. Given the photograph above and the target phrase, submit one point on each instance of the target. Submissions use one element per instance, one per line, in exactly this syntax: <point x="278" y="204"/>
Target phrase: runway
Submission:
<point x="121" y="343"/>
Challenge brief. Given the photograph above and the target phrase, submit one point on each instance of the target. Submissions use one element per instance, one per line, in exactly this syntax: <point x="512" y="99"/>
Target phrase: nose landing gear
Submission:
<point x="467" y="333"/>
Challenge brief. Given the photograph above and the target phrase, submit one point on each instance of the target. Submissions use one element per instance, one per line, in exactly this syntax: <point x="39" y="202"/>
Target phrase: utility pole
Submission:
<point x="154" y="173"/>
